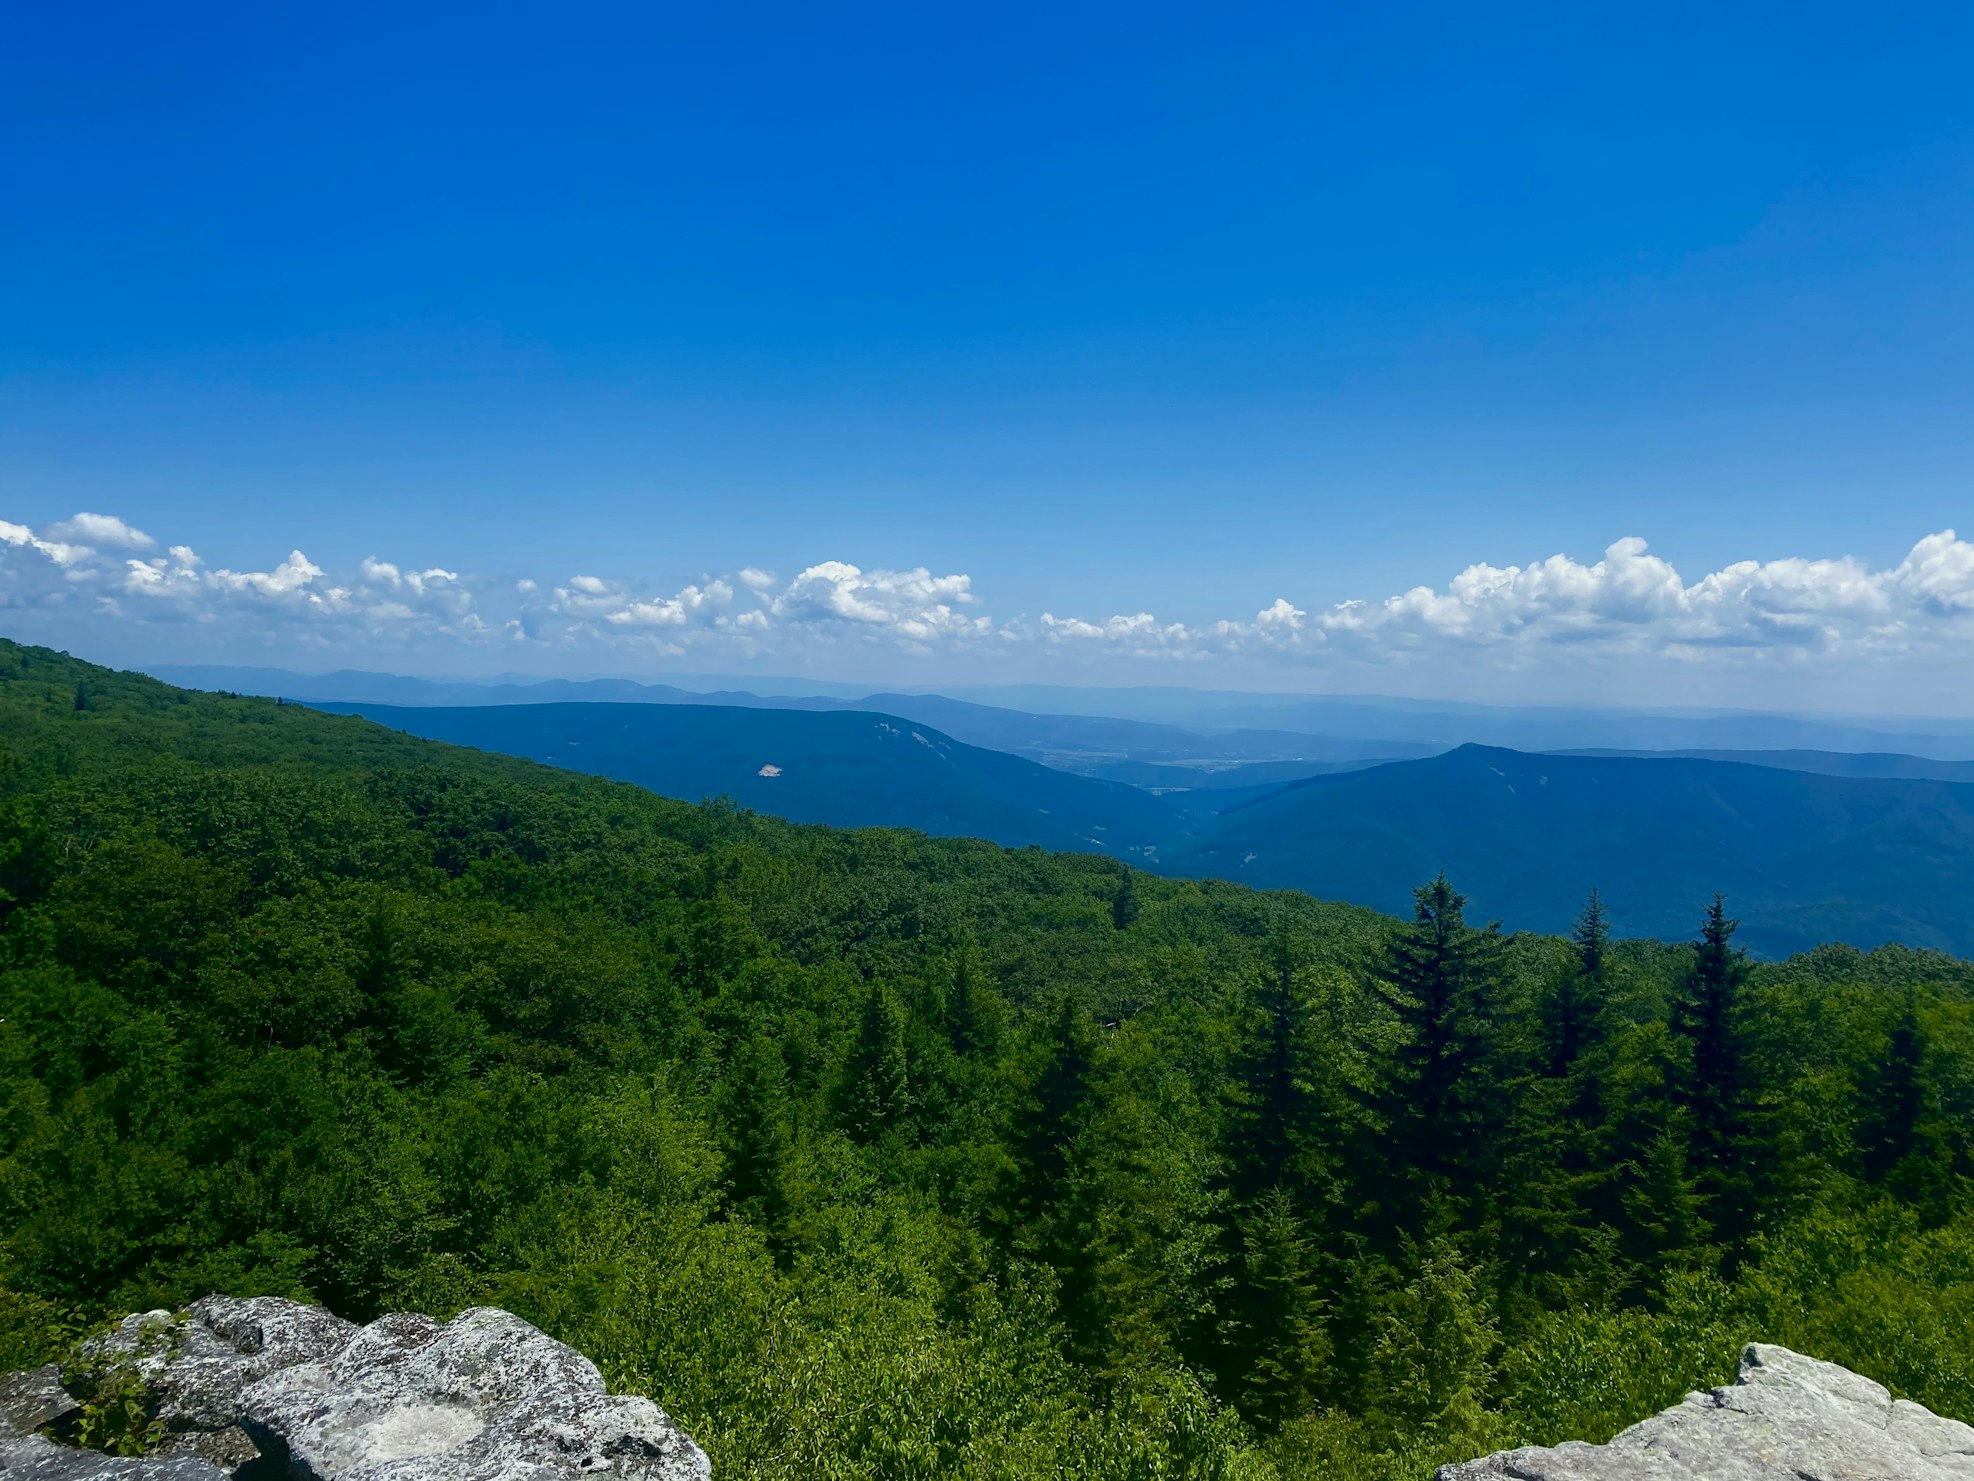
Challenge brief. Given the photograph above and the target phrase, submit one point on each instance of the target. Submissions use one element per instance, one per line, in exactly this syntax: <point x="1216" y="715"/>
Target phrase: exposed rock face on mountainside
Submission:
<point x="265" y="1388"/>
<point x="1785" y="1418"/>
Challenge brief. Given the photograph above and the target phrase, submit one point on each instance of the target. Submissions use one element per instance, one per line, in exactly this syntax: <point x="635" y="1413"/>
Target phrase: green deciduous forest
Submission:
<point x="875" y="1155"/>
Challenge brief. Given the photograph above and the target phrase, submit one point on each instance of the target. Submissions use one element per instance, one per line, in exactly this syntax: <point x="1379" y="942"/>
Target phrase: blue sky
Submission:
<point x="1091" y="312"/>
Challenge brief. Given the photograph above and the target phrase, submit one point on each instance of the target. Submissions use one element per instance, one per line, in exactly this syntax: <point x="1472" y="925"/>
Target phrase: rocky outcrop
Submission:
<point x="261" y="1389"/>
<point x="491" y="1395"/>
<point x="35" y="1399"/>
<point x="1785" y="1418"/>
<point x="32" y="1458"/>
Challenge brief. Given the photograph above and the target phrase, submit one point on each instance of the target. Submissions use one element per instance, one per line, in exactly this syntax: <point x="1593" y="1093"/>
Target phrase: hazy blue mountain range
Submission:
<point x="1802" y="857"/>
<point x="358" y="686"/>
<point x="367" y="686"/>
<point x="1082" y="726"/>
<point x="847" y="768"/>
<point x="1446" y="723"/>
<point x="1829" y="763"/>
<point x="1549" y="729"/>
<point x="1099" y="746"/>
<point x="1811" y="843"/>
<point x="1215" y="778"/>
<point x="1092" y="744"/>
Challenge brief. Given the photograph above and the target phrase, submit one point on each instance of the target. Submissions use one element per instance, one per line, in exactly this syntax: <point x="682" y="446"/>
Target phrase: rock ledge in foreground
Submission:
<point x="268" y="1388"/>
<point x="1784" y="1418"/>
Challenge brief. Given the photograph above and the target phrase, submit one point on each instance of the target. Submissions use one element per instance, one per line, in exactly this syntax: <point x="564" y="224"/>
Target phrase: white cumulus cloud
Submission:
<point x="1630" y="603"/>
<point x="61" y="552"/>
<point x="100" y="529"/>
<point x="915" y="604"/>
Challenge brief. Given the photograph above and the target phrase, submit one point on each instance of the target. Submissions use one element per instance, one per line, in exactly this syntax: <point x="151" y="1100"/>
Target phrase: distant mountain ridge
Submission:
<point x="1096" y="746"/>
<point x="1351" y="727"/>
<point x="1801" y="856"/>
<point x="1809" y="846"/>
<point x="1828" y="763"/>
<point x="846" y="768"/>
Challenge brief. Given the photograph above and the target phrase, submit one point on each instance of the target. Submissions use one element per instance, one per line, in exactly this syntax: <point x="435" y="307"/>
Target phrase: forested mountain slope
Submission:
<point x="875" y="1155"/>
<point x="1858" y="858"/>
<point x="846" y="768"/>
<point x="1804" y="857"/>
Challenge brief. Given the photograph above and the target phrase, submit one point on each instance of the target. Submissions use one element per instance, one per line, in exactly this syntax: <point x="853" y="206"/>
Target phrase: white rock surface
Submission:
<point x="196" y="1366"/>
<point x="485" y="1397"/>
<point x="1785" y="1418"/>
<point x="263" y="1387"/>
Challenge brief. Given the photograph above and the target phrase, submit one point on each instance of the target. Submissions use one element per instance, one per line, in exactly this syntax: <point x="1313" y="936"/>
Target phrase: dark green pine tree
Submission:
<point x="1273" y="1334"/>
<point x="1662" y="1224"/>
<point x="1270" y="1096"/>
<point x="1900" y="1144"/>
<point x="1715" y="1089"/>
<point x="877" y="1084"/>
<point x="1573" y="1014"/>
<point x="1051" y="1117"/>
<point x="760" y="1132"/>
<point x="1266" y="1343"/>
<point x="1553" y="1168"/>
<point x="1124" y="904"/>
<point x="1440" y="977"/>
<point x="1892" y="1100"/>
<point x="1591" y="934"/>
<point x="976" y="1014"/>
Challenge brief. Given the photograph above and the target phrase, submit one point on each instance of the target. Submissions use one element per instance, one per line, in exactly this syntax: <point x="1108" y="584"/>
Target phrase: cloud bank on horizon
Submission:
<point x="93" y="569"/>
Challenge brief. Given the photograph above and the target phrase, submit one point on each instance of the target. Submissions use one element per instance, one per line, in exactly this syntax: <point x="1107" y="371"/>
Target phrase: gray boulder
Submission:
<point x="261" y="1387"/>
<point x="30" y="1400"/>
<point x="195" y="1367"/>
<point x="486" y="1397"/>
<point x="1785" y="1418"/>
<point x="31" y="1458"/>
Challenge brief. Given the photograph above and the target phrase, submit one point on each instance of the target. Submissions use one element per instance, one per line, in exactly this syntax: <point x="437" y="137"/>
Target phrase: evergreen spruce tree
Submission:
<point x="1554" y="1162"/>
<point x="1124" y="904"/>
<point x="1573" y="1013"/>
<point x="1273" y="1335"/>
<point x="975" y="1012"/>
<point x="1591" y="935"/>
<point x="1900" y="1143"/>
<point x="1266" y="1344"/>
<point x="878" y="1083"/>
<point x="760" y="1132"/>
<point x="1433" y="1361"/>
<point x="1270" y="1098"/>
<point x="1716" y="1092"/>
<point x="1128" y="1237"/>
<point x="1664" y="1222"/>
<point x="1439" y="976"/>
<point x="1053" y="1114"/>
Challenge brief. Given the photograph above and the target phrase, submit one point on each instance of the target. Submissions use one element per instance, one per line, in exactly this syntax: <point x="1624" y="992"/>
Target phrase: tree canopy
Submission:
<point x="876" y="1155"/>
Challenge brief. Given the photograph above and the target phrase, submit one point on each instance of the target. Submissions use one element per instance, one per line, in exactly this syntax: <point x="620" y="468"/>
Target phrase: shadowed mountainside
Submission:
<point x="1802" y="857"/>
<point x="847" y="768"/>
